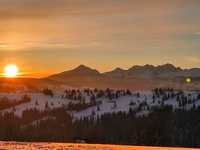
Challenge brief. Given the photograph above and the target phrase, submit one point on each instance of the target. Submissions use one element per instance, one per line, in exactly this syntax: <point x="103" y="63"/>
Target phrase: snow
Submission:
<point x="12" y="96"/>
<point x="106" y="105"/>
<point x="39" y="98"/>
<point x="122" y="104"/>
<point x="72" y="146"/>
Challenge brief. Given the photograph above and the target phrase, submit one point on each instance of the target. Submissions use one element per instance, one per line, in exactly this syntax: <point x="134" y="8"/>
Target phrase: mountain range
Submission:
<point x="136" y="77"/>
<point x="146" y="71"/>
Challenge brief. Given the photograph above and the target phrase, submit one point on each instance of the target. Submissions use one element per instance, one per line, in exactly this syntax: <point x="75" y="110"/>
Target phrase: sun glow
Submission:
<point x="11" y="71"/>
<point x="188" y="80"/>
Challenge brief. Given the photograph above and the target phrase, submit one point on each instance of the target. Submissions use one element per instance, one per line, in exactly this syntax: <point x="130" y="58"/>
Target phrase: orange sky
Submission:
<point x="48" y="36"/>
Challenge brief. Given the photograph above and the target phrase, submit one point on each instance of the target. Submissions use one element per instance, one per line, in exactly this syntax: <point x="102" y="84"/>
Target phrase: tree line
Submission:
<point x="162" y="127"/>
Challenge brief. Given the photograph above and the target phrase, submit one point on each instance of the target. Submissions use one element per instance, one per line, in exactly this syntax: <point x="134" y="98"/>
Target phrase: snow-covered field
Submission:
<point x="39" y="98"/>
<point x="61" y="146"/>
<point x="104" y="104"/>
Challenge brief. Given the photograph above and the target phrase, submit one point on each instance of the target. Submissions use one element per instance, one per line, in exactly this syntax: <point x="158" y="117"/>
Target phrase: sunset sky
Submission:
<point x="43" y="37"/>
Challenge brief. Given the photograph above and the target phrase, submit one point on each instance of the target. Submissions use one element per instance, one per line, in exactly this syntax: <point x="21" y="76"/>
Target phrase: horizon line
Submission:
<point x="50" y="74"/>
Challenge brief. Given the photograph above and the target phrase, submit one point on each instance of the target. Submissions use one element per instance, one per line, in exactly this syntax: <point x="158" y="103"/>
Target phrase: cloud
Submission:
<point x="113" y="24"/>
<point x="12" y="9"/>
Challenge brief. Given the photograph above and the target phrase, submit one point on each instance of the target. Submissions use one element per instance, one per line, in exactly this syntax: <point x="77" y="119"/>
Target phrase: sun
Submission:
<point x="11" y="71"/>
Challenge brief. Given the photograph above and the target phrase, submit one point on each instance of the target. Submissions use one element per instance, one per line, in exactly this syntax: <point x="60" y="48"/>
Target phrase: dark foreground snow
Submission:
<point x="60" y="146"/>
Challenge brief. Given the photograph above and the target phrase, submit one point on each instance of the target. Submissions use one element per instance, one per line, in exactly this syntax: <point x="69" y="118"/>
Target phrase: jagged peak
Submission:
<point x="147" y="66"/>
<point x="82" y="67"/>
<point x="167" y="65"/>
<point x="118" y="69"/>
<point x="85" y="69"/>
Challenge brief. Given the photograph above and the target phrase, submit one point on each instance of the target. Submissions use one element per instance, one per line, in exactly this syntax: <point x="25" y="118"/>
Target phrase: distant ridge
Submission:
<point x="148" y="71"/>
<point x="85" y="70"/>
<point x="80" y="76"/>
<point x="137" y="77"/>
<point x="81" y="70"/>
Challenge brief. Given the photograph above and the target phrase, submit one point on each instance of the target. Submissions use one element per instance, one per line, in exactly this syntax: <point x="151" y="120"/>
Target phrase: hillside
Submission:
<point x="158" y="117"/>
<point x="82" y="103"/>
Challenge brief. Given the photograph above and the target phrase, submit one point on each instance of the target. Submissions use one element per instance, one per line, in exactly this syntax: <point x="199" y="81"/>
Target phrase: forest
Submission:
<point x="162" y="127"/>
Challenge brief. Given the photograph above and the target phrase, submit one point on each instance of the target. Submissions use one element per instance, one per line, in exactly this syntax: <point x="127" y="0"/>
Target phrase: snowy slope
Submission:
<point x="41" y="99"/>
<point x="104" y="105"/>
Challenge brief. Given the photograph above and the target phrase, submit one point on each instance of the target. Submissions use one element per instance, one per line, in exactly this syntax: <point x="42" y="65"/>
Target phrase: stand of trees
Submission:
<point x="162" y="127"/>
<point x="7" y="103"/>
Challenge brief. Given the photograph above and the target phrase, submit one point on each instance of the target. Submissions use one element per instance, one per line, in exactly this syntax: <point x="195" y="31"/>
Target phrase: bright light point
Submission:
<point x="188" y="80"/>
<point x="11" y="71"/>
